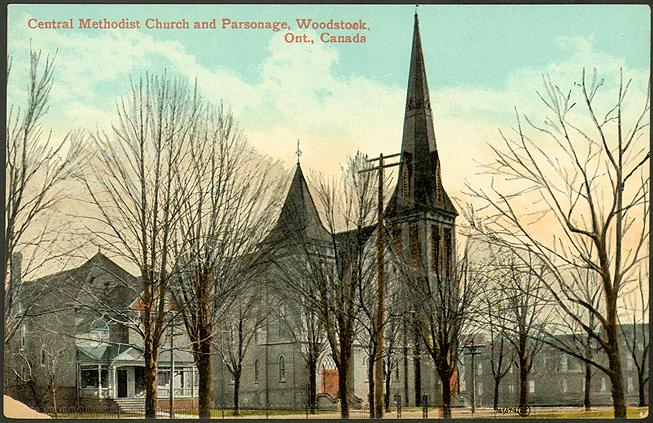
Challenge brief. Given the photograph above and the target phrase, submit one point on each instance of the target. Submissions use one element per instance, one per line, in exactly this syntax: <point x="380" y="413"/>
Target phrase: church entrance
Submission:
<point x="329" y="382"/>
<point x="329" y="377"/>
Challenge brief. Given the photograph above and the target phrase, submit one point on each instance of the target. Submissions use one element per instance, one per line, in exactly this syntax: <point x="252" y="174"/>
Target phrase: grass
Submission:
<point x="604" y="413"/>
<point x="245" y="412"/>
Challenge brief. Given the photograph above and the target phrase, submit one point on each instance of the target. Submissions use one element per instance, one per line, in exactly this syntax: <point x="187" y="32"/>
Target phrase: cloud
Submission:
<point x="299" y="94"/>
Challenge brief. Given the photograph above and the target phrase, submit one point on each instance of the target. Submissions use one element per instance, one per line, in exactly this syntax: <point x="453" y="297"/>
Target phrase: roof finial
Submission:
<point x="416" y="6"/>
<point x="298" y="152"/>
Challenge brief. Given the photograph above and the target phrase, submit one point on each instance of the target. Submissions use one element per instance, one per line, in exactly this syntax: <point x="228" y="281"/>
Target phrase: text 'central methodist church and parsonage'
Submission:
<point x="101" y="360"/>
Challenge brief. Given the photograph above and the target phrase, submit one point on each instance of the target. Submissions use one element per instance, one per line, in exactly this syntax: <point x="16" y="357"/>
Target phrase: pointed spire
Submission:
<point x="299" y="216"/>
<point x="419" y="187"/>
<point x="418" y="91"/>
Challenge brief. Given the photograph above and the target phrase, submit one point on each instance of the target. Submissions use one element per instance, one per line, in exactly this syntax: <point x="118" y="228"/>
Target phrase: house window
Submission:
<point x="282" y="368"/>
<point x="511" y="388"/>
<point x="397" y="372"/>
<point x="480" y="388"/>
<point x="163" y="378"/>
<point x="629" y="364"/>
<point x="564" y="385"/>
<point x="564" y="363"/>
<point x="100" y="329"/>
<point x="89" y="378"/>
<point x="511" y="368"/>
<point x="256" y="371"/>
<point x="479" y="369"/>
<point x="531" y="386"/>
<point x="43" y="358"/>
<point x="629" y="383"/>
<point x="603" y="385"/>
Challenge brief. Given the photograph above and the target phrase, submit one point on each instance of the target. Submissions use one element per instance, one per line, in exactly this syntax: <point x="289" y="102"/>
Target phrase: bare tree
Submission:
<point x="137" y="189"/>
<point x="45" y="367"/>
<point x="335" y="264"/>
<point x="308" y="332"/>
<point x="241" y="326"/>
<point x="589" y="184"/>
<point x="635" y="335"/>
<point x="36" y="168"/>
<point x="391" y="353"/>
<point x="501" y="355"/>
<point x="525" y="315"/>
<point x="222" y="220"/>
<point x="444" y="307"/>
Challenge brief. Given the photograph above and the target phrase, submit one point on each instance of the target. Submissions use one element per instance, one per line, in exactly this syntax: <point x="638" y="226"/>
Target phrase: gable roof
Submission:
<point x="98" y="277"/>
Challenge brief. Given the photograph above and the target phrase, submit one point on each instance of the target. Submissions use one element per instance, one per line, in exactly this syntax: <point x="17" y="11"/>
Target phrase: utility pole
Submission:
<point x="172" y="364"/>
<point x="380" y="315"/>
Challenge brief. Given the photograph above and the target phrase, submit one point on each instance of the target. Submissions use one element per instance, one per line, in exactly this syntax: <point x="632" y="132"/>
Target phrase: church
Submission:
<point x="420" y="219"/>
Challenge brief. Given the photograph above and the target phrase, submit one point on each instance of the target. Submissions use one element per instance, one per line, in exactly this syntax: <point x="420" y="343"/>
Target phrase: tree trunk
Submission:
<point x="388" y="379"/>
<point x="370" y="385"/>
<point x="587" y="402"/>
<point x="54" y="400"/>
<point x="445" y="379"/>
<point x="204" y="370"/>
<point x="237" y="393"/>
<point x="523" y="383"/>
<point x="343" y="388"/>
<point x="614" y="359"/>
<point x="642" y="389"/>
<point x="312" y="384"/>
<point x="418" y="372"/>
<point x="150" y="381"/>
<point x="497" y="383"/>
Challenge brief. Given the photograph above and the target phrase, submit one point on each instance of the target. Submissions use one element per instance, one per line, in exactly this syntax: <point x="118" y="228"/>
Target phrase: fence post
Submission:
<point x="118" y="411"/>
<point x="425" y="407"/>
<point x="398" y="401"/>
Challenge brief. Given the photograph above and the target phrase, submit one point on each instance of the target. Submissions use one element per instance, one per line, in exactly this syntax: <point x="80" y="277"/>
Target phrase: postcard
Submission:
<point x="327" y="211"/>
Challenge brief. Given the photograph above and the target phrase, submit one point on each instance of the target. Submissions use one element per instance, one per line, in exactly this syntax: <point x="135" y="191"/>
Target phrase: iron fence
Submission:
<point x="137" y="411"/>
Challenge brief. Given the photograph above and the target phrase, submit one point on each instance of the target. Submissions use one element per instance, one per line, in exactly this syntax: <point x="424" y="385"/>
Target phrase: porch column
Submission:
<point x="192" y="382"/>
<point x="99" y="381"/>
<point x="114" y="382"/>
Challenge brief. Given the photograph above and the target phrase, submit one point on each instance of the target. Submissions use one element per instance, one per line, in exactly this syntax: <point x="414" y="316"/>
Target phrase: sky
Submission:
<point x="482" y="61"/>
<point x="336" y="98"/>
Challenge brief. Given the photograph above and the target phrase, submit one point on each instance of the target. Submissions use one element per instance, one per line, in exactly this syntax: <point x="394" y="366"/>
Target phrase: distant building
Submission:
<point x="557" y="379"/>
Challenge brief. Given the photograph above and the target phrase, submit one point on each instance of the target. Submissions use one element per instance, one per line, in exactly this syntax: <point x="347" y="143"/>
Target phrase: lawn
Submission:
<point x="603" y="413"/>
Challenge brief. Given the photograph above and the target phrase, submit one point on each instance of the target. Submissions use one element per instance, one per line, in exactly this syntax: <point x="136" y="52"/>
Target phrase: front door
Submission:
<point x="122" y="383"/>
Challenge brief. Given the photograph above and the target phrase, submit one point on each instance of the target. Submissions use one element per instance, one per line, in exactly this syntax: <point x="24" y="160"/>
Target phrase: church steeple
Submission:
<point x="419" y="186"/>
<point x="299" y="216"/>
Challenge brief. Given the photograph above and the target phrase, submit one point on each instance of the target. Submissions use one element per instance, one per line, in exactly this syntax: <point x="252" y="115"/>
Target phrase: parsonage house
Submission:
<point x="75" y="338"/>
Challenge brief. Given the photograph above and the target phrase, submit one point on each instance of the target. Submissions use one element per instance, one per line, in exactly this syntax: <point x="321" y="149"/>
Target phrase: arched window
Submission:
<point x="256" y="371"/>
<point x="99" y="324"/>
<point x="282" y="368"/>
<point x="100" y="329"/>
